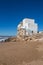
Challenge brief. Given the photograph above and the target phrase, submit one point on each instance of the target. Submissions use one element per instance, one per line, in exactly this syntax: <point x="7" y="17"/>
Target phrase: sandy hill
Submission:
<point x="21" y="53"/>
<point x="34" y="37"/>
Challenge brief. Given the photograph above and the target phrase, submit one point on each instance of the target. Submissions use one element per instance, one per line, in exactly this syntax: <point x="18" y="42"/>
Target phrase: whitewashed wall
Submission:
<point x="29" y="25"/>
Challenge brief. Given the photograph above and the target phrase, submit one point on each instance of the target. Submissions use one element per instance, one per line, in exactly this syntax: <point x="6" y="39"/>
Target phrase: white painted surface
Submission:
<point x="29" y="25"/>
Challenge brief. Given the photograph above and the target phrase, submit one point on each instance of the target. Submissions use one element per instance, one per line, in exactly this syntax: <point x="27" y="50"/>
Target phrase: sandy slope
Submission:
<point x="21" y="53"/>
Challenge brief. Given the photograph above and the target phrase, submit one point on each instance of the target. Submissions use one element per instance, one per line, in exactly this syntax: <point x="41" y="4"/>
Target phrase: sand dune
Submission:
<point x="21" y="53"/>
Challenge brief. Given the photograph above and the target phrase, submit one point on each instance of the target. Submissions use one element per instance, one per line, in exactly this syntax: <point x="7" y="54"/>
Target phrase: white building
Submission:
<point x="29" y="26"/>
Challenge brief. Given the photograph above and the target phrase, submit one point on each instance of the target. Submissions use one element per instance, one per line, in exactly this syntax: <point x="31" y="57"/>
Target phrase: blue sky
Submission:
<point x="13" y="11"/>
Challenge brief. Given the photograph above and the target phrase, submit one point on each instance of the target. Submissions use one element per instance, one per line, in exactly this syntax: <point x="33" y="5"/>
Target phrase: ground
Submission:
<point x="21" y="53"/>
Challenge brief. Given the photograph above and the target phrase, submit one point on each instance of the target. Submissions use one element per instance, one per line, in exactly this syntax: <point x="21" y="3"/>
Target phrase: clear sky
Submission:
<point x="13" y="11"/>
